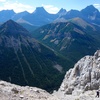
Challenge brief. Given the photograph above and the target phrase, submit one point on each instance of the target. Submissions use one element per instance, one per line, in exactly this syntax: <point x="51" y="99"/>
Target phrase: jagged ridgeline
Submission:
<point x="69" y="38"/>
<point x="25" y="61"/>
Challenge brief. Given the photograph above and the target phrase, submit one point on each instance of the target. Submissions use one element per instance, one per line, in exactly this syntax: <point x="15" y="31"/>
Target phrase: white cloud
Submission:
<point x="16" y="6"/>
<point x="2" y="0"/>
<point x="51" y="8"/>
<point x="97" y="5"/>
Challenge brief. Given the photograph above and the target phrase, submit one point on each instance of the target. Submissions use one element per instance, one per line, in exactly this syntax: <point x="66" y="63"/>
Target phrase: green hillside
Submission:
<point x="69" y="39"/>
<point x="25" y="61"/>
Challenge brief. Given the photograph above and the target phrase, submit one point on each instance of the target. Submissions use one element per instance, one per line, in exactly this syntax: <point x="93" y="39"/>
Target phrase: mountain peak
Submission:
<point x="62" y="11"/>
<point x="40" y="10"/>
<point x="8" y="11"/>
<point x="73" y="11"/>
<point x="24" y="12"/>
<point x="12" y="28"/>
<point x="6" y="15"/>
<point x="91" y="13"/>
<point x="90" y="8"/>
<point x="10" y="22"/>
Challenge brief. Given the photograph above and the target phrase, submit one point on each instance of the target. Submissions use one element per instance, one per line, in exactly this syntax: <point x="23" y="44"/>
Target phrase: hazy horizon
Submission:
<point x="51" y="6"/>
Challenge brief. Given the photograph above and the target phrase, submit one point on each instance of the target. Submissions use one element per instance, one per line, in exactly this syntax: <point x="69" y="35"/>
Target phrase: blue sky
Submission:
<point x="52" y="6"/>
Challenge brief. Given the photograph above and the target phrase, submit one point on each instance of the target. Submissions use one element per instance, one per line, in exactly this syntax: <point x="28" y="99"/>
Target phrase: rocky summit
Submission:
<point x="80" y="83"/>
<point x="84" y="76"/>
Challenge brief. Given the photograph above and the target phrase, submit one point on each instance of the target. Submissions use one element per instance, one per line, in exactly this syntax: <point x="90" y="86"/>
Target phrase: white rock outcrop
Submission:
<point x="84" y="76"/>
<point x="10" y="91"/>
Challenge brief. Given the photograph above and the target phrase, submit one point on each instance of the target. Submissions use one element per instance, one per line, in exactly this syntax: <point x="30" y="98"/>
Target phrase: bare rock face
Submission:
<point x="10" y="91"/>
<point x="84" y="76"/>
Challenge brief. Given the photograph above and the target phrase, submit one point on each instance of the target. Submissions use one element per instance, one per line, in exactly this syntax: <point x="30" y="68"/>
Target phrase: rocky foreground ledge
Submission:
<point x="80" y="83"/>
<point x="14" y="92"/>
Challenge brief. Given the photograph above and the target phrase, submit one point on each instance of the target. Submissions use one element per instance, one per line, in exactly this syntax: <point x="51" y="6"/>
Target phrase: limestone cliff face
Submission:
<point x="84" y="76"/>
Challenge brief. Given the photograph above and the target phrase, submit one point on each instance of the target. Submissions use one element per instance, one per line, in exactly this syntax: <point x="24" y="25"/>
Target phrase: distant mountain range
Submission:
<point x="41" y="17"/>
<point x="55" y="43"/>
<point x="90" y="14"/>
